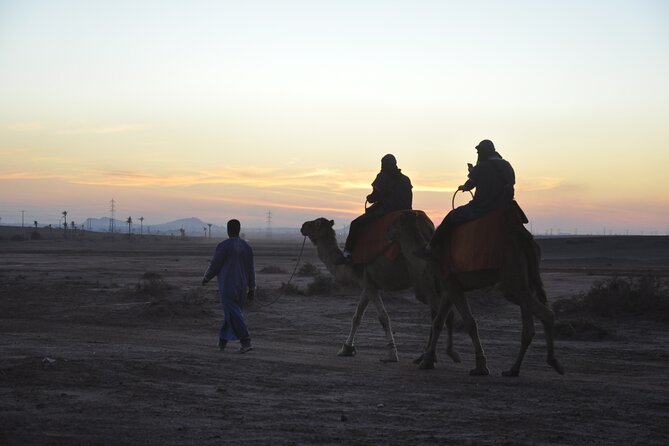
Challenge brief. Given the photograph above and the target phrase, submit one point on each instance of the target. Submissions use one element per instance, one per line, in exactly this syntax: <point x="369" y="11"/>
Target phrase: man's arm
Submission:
<point x="471" y="178"/>
<point x="215" y="265"/>
<point x="251" y="274"/>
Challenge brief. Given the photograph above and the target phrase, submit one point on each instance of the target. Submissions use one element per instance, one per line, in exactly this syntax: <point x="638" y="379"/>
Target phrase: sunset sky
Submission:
<point x="222" y="109"/>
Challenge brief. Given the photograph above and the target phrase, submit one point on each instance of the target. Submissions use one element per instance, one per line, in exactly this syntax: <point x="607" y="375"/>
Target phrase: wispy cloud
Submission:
<point x="540" y="184"/>
<point x="25" y="126"/>
<point x="22" y="175"/>
<point x="249" y="176"/>
<point x="121" y="128"/>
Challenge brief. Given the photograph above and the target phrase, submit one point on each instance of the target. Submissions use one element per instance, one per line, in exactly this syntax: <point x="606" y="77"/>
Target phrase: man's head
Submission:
<point x="485" y="149"/>
<point x="234" y="227"/>
<point x="388" y="162"/>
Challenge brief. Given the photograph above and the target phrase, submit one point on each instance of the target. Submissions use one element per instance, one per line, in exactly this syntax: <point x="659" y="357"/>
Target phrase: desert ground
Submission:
<point x="92" y="354"/>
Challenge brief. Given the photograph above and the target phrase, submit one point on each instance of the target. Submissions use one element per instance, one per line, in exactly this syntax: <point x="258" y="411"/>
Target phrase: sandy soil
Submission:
<point x="86" y="358"/>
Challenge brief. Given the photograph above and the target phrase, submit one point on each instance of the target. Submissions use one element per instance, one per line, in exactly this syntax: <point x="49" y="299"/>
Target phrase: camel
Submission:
<point x="379" y="275"/>
<point x="518" y="279"/>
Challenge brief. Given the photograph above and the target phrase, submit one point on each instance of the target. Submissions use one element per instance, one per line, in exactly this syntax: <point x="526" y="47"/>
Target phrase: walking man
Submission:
<point x="233" y="264"/>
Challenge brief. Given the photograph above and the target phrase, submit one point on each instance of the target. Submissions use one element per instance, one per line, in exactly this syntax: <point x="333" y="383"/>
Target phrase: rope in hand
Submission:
<point x="299" y="257"/>
<point x="454" y="194"/>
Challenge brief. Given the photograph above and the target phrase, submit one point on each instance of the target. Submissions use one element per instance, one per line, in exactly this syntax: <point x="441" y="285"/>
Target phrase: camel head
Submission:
<point x="318" y="229"/>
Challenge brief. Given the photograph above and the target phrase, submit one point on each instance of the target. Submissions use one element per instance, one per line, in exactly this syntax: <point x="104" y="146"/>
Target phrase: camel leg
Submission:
<point x="547" y="318"/>
<point x="391" y="348"/>
<point x="472" y="330"/>
<point x="348" y="349"/>
<point x="450" y="351"/>
<point x="428" y="358"/>
<point x="526" y="339"/>
<point x="433" y="314"/>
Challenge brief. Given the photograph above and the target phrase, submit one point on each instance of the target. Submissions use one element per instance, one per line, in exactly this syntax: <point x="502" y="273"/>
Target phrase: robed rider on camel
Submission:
<point x="494" y="180"/>
<point x="391" y="192"/>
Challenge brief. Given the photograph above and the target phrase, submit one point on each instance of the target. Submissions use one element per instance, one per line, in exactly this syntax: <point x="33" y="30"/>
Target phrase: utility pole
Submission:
<point x="209" y="224"/>
<point x="112" y="215"/>
<point x="141" y="226"/>
<point x="23" y="213"/>
<point x="269" y="224"/>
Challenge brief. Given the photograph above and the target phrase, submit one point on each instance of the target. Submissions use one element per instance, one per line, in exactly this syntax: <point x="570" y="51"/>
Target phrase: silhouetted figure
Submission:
<point x="233" y="264"/>
<point x="494" y="180"/>
<point x="391" y="191"/>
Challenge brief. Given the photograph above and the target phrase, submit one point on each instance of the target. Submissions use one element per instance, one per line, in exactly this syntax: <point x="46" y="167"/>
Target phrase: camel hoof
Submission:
<point x="511" y="373"/>
<point x="419" y="359"/>
<point x="347" y="350"/>
<point x="556" y="365"/>
<point x="426" y="365"/>
<point x="479" y="372"/>
<point x="455" y="356"/>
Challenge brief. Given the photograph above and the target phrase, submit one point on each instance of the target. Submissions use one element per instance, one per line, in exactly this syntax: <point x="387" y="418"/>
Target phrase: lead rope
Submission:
<point x="456" y="192"/>
<point x="299" y="257"/>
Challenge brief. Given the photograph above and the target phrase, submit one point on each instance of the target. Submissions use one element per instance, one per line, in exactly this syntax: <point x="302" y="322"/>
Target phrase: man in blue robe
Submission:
<point x="233" y="264"/>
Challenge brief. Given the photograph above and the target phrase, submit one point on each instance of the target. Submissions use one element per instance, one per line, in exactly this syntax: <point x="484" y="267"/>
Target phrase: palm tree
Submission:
<point x="141" y="225"/>
<point x="35" y="224"/>
<point x="65" y="220"/>
<point x="129" y="221"/>
<point x="209" y="224"/>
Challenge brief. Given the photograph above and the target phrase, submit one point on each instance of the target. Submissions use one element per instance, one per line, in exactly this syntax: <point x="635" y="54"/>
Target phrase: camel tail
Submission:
<point x="533" y="255"/>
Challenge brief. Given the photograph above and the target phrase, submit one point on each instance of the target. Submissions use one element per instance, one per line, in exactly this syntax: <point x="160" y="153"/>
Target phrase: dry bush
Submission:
<point x="308" y="270"/>
<point x="272" y="270"/>
<point x="321" y="285"/>
<point x="289" y="289"/>
<point x="173" y="303"/>
<point x="152" y="284"/>
<point x="581" y="330"/>
<point x="644" y="295"/>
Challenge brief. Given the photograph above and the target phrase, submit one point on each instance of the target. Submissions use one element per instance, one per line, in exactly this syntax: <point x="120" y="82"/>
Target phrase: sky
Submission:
<point x="222" y="109"/>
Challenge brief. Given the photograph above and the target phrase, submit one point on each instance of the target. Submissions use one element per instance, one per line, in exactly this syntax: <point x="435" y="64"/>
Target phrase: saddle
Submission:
<point x="373" y="240"/>
<point x="478" y="245"/>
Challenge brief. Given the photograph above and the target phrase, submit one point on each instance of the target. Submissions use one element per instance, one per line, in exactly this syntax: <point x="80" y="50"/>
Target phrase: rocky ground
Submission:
<point x="91" y="353"/>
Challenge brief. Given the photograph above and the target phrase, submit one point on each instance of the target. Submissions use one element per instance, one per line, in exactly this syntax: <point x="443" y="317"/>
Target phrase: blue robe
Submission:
<point x="233" y="264"/>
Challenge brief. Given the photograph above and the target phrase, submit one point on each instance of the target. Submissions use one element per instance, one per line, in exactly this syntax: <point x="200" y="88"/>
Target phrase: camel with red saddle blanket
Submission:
<point x="379" y="264"/>
<point x="493" y="250"/>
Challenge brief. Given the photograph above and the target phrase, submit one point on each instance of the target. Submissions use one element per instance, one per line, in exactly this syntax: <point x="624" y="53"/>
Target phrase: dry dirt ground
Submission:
<point x="86" y="358"/>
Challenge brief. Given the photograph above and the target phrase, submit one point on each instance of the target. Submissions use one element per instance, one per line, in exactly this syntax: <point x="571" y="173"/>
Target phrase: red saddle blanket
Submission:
<point x="373" y="239"/>
<point x="476" y="245"/>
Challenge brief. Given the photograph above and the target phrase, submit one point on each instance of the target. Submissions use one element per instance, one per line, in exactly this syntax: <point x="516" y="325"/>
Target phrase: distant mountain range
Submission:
<point x="193" y="227"/>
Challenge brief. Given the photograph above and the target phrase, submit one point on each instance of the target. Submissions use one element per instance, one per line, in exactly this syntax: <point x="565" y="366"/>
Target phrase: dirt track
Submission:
<point x="84" y="359"/>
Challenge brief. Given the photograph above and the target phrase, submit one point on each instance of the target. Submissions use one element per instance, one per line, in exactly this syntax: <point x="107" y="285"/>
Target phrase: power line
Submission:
<point x="112" y="213"/>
